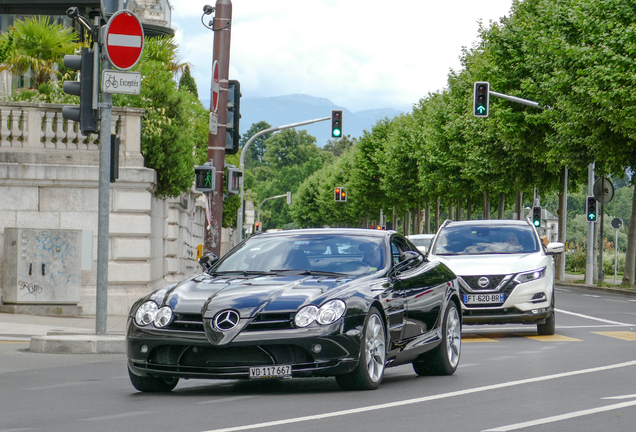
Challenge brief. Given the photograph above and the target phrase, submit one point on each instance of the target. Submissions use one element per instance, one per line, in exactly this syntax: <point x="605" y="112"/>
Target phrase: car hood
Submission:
<point x="250" y="296"/>
<point x="492" y="264"/>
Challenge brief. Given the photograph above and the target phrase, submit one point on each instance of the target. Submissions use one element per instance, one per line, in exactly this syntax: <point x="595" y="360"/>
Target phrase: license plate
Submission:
<point x="279" y="371"/>
<point x="484" y="298"/>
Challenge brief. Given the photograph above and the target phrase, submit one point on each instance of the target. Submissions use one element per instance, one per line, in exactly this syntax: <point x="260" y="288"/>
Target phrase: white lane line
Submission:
<point x="560" y="417"/>
<point x="591" y="317"/>
<point x="57" y="385"/>
<point x="228" y="399"/>
<point x="590" y="326"/>
<point x="615" y="397"/>
<point x="590" y="295"/>
<point x="117" y="416"/>
<point x="424" y="399"/>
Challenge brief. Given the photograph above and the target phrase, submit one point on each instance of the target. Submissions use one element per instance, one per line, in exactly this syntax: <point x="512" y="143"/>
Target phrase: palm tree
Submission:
<point x="38" y="47"/>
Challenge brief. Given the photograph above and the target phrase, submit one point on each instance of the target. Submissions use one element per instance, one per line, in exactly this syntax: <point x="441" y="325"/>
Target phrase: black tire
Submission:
<point x="444" y="359"/>
<point x="549" y="327"/>
<point x="152" y="384"/>
<point x="370" y="370"/>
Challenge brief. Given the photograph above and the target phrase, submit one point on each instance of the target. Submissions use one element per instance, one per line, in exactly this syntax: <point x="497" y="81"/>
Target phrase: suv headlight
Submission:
<point x="328" y="313"/>
<point x="530" y="276"/>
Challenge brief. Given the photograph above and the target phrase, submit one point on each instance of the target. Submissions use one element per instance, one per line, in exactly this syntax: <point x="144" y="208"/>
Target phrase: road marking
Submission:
<point x="596" y="326"/>
<point x="468" y="338"/>
<point x="553" y="338"/>
<point x="593" y="296"/>
<point x="228" y="399"/>
<point x="13" y="342"/>
<point x="591" y="317"/>
<point x="615" y="397"/>
<point x="116" y="416"/>
<point x="624" y="335"/>
<point x="56" y="386"/>
<point x="561" y="417"/>
<point x="425" y="398"/>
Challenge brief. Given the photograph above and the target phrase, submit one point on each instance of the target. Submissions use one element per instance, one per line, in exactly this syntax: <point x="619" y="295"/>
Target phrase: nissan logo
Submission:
<point x="483" y="282"/>
<point x="226" y="320"/>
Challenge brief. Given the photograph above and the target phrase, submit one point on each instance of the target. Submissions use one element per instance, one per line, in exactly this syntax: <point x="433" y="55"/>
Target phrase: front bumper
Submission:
<point x="313" y="351"/>
<point x="506" y="316"/>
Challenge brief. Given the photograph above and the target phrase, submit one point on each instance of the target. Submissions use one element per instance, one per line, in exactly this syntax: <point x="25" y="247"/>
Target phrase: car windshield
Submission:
<point x="481" y="239"/>
<point x="421" y="241"/>
<point x="323" y="254"/>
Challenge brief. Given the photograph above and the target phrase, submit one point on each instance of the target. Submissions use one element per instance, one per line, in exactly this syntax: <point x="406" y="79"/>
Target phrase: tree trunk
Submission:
<point x="459" y="210"/>
<point x="418" y="224"/>
<point x="469" y="209"/>
<point x="486" y="207"/>
<point x="501" y="205"/>
<point x="519" y="206"/>
<point x="630" y="261"/>
<point x="437" y="215"/>
<point x="427" y="217"/>
<point x="450" y="211"/>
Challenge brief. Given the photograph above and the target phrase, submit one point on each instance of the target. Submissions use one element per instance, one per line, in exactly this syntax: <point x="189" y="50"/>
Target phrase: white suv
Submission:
<point x="506" y="274"/>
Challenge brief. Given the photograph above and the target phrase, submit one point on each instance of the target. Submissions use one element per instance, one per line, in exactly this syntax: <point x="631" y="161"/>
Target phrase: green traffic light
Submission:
<point x="591" y="216"/>
<point x="336" y="132"/>
<point x="537" y="223"/>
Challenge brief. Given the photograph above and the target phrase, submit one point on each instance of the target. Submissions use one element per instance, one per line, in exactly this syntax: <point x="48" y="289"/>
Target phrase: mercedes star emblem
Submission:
<point x="226" y="320"/>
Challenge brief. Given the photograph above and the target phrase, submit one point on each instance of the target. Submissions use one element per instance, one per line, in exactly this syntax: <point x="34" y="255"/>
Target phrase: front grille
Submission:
<point x="271" y="321"/>
<point x="473" y="282"/>
<point x="187" y="322"/>
<point x="198" y="357"/>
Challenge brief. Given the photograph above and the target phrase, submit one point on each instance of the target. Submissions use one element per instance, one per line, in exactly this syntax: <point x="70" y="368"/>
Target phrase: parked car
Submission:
<point x="422" y="241"/>
<point x="505" y="271"/>
<point x="300" y="303"/>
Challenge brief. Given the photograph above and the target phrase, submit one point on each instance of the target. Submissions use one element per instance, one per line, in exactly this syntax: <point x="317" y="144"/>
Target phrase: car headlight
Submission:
<point x="306" y="316"/>
<point x="163" y="317"/>
<point x="328" y="313"/>
<point x="146" y="313"/>
<point x="530" y="276"/>
<point x="331" y="311"/>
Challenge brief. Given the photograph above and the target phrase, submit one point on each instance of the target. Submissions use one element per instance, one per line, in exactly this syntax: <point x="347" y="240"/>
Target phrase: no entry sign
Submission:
<point x="124" y="40"/>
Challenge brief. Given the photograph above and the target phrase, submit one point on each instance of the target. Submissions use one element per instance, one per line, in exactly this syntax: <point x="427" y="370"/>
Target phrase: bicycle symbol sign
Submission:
<point x="121" y="82"/>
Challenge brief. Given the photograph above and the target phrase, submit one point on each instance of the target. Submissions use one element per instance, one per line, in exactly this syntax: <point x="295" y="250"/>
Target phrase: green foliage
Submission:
<point x="187" y="83"/>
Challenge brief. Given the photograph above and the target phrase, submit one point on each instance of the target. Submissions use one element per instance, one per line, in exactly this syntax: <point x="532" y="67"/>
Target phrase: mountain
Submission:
<point x="296" y="108"/>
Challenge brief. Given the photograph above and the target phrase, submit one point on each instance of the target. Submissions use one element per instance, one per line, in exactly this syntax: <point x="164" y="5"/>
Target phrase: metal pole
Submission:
<point x="615" y="256"/>
<point x="216" y="141"/>
<point x="101" y="301"/>
<point x="565" y="221"/>
<point x="239" y="218"/>
<point x="589" y="262"/>
<point x="518" y="100"/>
<point x="263" y="202"/>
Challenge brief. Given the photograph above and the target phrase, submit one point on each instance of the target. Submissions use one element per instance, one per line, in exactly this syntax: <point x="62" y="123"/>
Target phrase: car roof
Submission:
<point x="489" y="222"/>
<point x="364" y="232"/>
<point x="416" y="236"/>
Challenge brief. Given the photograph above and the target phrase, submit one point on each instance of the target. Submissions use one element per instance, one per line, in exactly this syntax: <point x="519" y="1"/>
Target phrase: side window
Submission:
<point x="397" y="247"/>
<point x="395" y="253"/>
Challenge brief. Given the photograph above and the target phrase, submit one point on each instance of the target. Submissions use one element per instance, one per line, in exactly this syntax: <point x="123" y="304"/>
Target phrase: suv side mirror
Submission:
<point x="408" y="260"/>
<point x="208" y="260"/>
<point x="554" y="248"/>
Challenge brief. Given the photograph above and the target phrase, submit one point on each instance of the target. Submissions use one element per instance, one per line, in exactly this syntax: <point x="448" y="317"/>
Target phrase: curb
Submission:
<point x="630" y="293"/>
<point x="78" y="344"/>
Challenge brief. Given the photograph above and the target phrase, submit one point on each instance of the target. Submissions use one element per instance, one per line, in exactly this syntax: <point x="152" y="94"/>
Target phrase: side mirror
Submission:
<point x="208" y="260"/>
<point x="408" y="260"/>
<point x="554" y="248"/>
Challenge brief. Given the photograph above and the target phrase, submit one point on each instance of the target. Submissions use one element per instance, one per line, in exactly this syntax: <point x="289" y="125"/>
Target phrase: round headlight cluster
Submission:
<point x="149" y="312"/>
<point x="328" y="313"/>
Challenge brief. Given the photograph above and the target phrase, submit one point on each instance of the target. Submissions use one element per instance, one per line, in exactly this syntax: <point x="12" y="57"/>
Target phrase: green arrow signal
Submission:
<point x="481" y="109"/>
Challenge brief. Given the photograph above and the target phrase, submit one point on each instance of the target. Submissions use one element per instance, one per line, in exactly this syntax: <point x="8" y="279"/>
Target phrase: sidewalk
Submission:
<point x="64" y="335"/>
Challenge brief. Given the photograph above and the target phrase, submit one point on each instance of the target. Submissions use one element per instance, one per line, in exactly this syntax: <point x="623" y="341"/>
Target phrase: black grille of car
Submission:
<point x="473" y="282"/>
<point x="186" y="358"/>
<point x="507" y="290"/>
<point x="187" y="322"/>
<point x="271" y="321"/>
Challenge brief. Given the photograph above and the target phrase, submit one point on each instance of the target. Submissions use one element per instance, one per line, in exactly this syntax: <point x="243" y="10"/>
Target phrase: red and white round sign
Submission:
<point x="215" y="86"/>
<point x="124" y="40"/>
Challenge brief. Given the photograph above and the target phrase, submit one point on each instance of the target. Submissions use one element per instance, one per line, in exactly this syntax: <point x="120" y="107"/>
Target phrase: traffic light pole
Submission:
<point x="589" y="261"/>
<point x="263" y="202"/>
<point x="216" y="140"/>
<point x="240" y="215"/>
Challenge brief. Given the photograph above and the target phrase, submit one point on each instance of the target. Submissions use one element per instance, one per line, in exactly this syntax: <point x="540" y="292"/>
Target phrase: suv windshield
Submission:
<point x="482" y="239"/>
<point x="346" y="255"/>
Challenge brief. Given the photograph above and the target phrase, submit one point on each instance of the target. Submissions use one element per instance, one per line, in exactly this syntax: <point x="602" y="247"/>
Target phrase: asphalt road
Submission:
<point x="582" y="379"/>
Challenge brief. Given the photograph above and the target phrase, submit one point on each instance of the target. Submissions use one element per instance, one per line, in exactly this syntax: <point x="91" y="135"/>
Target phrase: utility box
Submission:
<point x="42" y="266"/>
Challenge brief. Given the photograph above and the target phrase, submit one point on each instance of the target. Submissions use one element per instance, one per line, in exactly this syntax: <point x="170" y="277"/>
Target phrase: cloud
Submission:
<point x="361" y="54"/>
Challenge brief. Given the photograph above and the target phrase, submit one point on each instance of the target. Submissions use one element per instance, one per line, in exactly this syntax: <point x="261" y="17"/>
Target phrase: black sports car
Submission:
<point x="320" y="302"/>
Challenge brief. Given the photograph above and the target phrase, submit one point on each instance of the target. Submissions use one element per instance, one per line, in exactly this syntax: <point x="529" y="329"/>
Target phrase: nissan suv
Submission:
<point x="505" y="271"/>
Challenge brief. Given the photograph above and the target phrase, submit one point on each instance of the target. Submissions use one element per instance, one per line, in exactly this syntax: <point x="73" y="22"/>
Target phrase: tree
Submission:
<point x="338" y="146"/>
<point x="187" y="83"/>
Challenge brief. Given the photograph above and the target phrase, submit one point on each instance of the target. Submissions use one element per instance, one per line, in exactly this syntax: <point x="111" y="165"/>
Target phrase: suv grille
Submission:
<point x="473" y="282"/>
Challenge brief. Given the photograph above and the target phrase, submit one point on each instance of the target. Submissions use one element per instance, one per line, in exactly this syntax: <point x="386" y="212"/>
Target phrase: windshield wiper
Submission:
<point x="245" y="273"/>
<point x="311" y="272"/>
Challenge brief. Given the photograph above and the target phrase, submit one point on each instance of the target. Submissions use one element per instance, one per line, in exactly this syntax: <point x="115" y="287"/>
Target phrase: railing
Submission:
<point x="40" y="126"/>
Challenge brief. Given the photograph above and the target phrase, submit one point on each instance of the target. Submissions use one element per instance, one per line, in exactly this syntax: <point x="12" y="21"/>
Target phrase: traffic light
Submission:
<point x="232" y="135"/>
<point x="336" y="124"/>
<point x="536" y="216"/>
<point x="481" y="102"/>
<point x="339" y="194"/>
<point x="591" y="209"/>
<point x="232" y="180"/>
<point x="205" y="178"/>
<point x="84" y="113"/>
<point x="257" y="227"/>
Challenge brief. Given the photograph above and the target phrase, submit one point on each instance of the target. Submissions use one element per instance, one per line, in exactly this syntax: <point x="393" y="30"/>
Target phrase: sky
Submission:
<point x="360" y="54"/>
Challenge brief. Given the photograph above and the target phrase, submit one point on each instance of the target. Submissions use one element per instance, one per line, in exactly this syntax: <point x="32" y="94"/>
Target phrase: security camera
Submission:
<point x="72" y="12"/>
<point x="207" y="10"/>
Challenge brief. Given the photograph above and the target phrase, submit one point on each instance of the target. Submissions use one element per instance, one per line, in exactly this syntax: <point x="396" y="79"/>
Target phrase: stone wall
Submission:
<point x="49" y="180"/>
